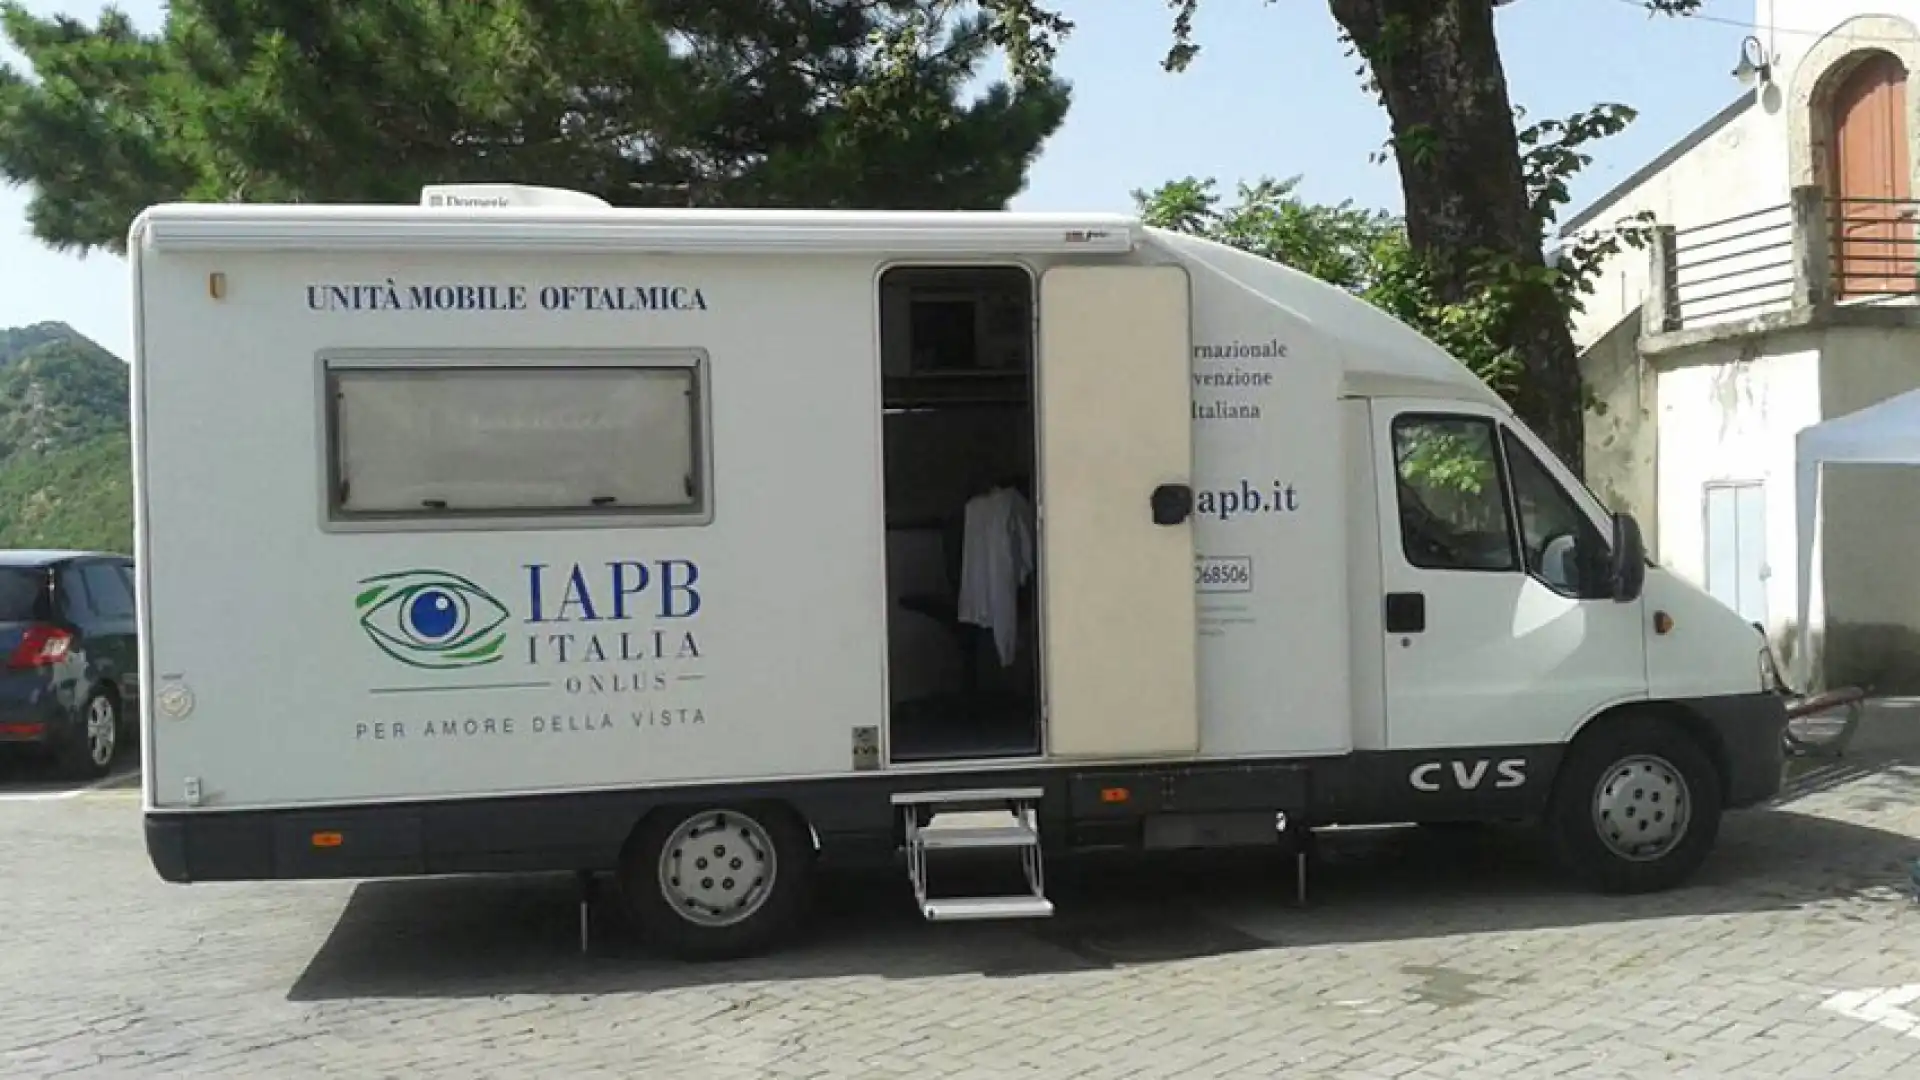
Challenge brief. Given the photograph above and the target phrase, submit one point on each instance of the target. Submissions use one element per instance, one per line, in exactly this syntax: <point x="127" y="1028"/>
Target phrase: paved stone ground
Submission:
<point x="1424" y="957"/>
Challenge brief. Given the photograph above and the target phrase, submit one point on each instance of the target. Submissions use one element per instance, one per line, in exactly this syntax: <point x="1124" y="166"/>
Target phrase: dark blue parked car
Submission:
<point x="69" y="657"/>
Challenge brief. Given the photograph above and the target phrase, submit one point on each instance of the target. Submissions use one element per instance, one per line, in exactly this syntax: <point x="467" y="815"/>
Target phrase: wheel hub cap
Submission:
<point x="717" y="868"/>
<point x="1641" y="808"/>
<point x="101" y="731"/>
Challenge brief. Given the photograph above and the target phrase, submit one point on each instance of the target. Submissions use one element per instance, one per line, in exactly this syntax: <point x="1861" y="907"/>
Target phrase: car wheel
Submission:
<point x="1637" y="806"/>
<point x="717" y="882"/>
<point x="94" y="748"/>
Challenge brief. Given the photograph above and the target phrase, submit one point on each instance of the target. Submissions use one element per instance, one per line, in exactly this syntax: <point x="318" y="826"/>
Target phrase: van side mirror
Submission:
<point x="1628" y="573"/>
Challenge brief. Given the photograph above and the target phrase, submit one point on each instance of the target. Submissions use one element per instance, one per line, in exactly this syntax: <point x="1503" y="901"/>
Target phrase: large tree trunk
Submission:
<point x="1438" y="69"/>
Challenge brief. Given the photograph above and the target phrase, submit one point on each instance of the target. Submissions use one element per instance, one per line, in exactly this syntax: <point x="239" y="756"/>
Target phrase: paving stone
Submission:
<point x="1420" y="958"/>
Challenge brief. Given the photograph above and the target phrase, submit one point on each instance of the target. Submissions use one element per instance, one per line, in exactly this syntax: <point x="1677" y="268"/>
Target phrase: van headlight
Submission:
<point x="1769" y="674"/>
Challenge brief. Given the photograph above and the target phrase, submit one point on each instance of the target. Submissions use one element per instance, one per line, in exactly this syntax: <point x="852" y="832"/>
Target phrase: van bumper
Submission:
<point x="167" y="848"/>
<point x="1751" y="732"/>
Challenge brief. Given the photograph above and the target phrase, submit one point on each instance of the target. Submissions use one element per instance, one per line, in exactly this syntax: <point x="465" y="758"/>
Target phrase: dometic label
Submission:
<point x="394" y="295"/>
<point x="469" y="200"/>
<point x="571" y="649"/>
<point x="1503" y="775"/>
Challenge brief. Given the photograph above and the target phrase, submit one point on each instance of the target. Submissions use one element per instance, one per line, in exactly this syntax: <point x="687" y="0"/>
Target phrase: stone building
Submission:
<point x="1780" y="290"/>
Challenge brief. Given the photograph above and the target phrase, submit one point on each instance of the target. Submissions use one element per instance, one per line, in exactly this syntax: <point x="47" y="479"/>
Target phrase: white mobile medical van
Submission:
<point x="703" y="546"/>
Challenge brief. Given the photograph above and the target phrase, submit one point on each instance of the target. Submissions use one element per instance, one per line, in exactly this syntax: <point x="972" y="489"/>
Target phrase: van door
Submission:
<point x="1737" y="547"/>
<point x="1500" y="629"/>
<point x="1119" y="626"/>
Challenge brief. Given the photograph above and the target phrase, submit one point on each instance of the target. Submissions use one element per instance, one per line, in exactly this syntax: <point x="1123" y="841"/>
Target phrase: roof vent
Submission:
<point x="504" y="197"/>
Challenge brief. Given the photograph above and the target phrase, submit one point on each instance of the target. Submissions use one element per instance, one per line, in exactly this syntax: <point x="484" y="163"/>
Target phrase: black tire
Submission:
<point x="1648" y="764"/>
<point x="764" y="835"/>
<point x="79" y="757"/>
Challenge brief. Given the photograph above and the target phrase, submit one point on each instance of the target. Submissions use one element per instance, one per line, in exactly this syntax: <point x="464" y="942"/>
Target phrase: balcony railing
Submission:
<point x="1735" y="268"/>
<point x="1811" y="254"/>
<point x="1873" y="248"/>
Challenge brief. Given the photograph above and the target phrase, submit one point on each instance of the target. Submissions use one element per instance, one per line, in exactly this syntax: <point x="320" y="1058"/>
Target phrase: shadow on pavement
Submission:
<point x="475" y="936"/>
<point x="26" y="775"/>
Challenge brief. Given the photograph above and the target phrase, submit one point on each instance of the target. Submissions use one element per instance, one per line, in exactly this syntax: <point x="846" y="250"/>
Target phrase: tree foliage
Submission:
<point x="1366" y="253"/>
<point x="1476" y="213"/>
<point x="642" y="102"/>
<point x="1362" y="251"/>
<point x="1369" y="252"/>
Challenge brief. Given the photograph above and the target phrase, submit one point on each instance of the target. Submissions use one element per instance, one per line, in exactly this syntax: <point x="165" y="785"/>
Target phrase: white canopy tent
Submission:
<point x="1884" y="434"/>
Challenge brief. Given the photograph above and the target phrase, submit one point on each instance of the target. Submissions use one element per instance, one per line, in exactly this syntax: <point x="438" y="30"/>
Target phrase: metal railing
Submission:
<point x="1874" y="249"/>
<point x="1734" y="268"/>
<point x="1813" y="253"/>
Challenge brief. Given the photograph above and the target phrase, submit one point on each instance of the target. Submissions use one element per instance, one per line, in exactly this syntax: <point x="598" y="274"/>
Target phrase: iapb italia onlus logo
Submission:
<point x="619" y="612"/>
<point x="617" y="640"/>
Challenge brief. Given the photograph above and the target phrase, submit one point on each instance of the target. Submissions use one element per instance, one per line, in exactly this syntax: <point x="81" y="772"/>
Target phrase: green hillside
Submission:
<point x="65" y="471"/>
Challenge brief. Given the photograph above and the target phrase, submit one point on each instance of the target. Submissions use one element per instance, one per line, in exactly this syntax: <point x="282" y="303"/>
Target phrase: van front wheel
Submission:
<point x="717" y="882"/>
<point x="1637" y="806"/>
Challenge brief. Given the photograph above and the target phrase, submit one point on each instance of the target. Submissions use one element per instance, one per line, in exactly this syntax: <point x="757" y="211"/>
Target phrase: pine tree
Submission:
<point x="822" y="103"/>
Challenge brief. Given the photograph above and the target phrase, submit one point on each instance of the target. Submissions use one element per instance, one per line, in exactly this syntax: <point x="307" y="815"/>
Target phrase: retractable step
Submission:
<point x="986" y="819"/>
<point x="958" y="908"/>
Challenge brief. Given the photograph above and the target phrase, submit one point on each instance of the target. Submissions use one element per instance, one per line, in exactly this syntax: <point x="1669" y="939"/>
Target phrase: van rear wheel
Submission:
<point x="717" y="882"/>
<point x="1637" y="806"/>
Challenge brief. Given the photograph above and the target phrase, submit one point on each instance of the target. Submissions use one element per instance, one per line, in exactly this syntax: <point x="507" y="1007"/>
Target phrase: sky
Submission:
<point x="1271" y="94"/>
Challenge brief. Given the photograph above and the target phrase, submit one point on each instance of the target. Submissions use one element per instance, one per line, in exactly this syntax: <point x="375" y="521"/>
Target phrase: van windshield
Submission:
<point x="21" y="595"/>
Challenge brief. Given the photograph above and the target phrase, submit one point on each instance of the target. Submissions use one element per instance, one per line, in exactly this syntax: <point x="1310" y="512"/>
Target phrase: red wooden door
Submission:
<point x="1873" y="218"/>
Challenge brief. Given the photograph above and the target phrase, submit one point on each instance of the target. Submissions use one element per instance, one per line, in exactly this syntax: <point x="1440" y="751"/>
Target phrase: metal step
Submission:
<point x="961" y="908"/>
<point x="980" y="829"/>
<point x="976" y="819"/>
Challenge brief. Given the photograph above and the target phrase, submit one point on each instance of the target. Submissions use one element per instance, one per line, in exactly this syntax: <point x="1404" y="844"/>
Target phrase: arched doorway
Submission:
<point x="1873" y="251"/>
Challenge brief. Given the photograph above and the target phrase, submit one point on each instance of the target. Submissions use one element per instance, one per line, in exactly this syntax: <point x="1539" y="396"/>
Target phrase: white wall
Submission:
<point x="1729" y="411"/>
<point x="1747" y="165"/>
<point x="1619" y="427"/>
<point x="1790" y="29"/>
<point x="1740" y="169"/>
<point x="1727" y="416"/>
<point x="1734" y="420"/>
<point x="1753" y="162"/>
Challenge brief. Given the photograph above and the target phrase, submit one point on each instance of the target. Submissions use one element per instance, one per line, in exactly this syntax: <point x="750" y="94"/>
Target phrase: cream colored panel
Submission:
<point x="1115" y="424"/>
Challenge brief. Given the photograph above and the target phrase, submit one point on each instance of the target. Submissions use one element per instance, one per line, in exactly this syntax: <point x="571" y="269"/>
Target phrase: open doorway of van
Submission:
<point x="957" y="362"/>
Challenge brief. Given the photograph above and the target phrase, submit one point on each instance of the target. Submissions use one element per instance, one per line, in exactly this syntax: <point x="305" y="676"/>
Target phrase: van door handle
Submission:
<point x="1172" y="504"/>
<point x="1406" y="612"/>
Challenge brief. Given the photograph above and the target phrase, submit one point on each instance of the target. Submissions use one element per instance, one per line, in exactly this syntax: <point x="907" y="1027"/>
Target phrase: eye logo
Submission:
<point x="432" y="619"/>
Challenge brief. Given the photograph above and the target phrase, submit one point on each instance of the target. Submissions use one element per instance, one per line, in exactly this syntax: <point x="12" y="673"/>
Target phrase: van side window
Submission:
<point x="443" y="441"/>
<point x="1453" y="502"/>
<point x="1561" y="546"/>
